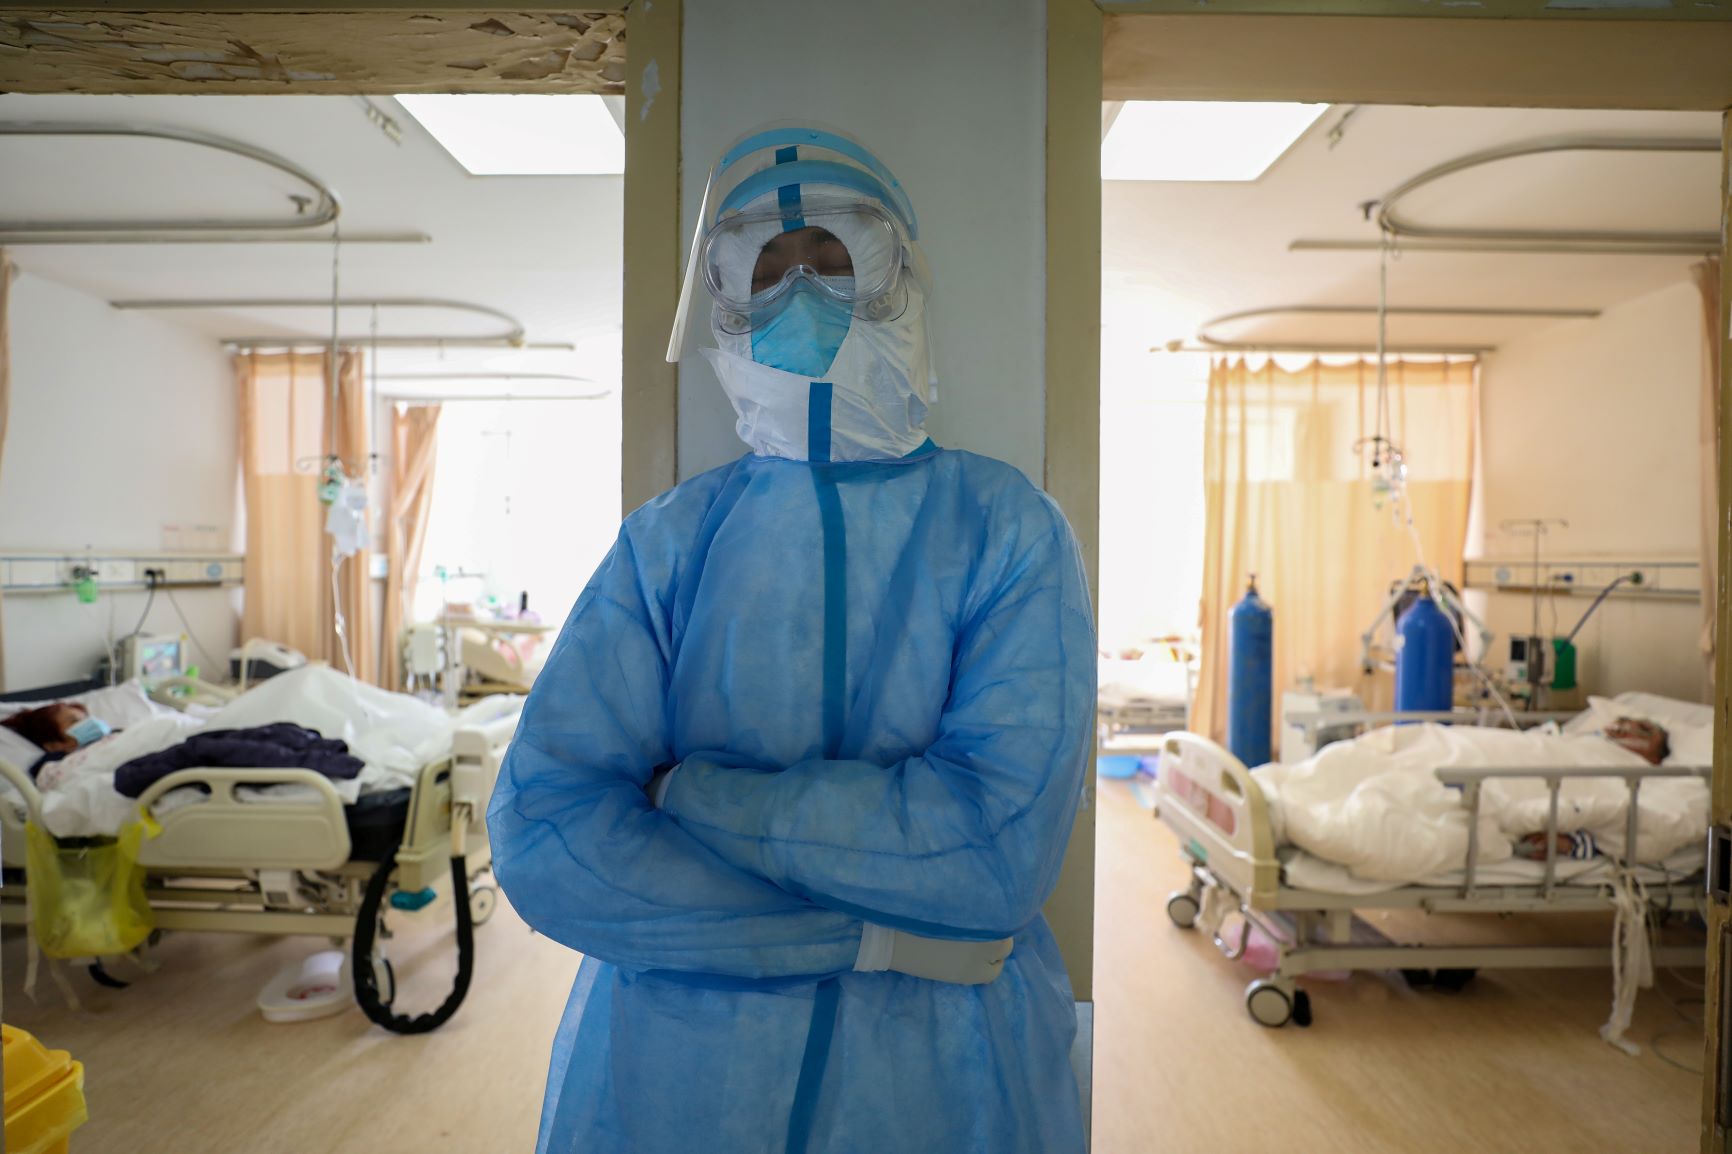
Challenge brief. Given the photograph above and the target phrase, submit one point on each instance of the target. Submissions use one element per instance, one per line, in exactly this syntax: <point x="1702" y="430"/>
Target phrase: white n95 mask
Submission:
<point x="869" y="406"/>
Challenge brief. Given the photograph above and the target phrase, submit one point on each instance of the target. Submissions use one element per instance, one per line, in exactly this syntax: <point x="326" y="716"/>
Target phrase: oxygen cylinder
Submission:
<point x="1424" y="659"/>
<point x="1250" y="678"/>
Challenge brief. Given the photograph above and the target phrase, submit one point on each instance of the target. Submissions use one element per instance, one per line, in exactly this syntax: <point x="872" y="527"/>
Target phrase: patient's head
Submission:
<point x="1643" y="737"/>
<point x="48" y="727"/>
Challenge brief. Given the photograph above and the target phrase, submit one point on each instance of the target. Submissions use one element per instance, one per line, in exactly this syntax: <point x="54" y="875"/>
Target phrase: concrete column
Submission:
<point x="956" y="99"/>
<point x="952" y="97"/>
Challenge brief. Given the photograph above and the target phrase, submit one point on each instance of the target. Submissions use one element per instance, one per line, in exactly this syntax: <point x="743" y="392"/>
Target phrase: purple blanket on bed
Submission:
<point x="280" y="746"/>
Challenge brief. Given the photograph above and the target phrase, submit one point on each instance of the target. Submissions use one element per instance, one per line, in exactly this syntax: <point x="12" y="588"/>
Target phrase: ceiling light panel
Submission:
<point x="523" y="135"/>
<point x="1198" y="140"/>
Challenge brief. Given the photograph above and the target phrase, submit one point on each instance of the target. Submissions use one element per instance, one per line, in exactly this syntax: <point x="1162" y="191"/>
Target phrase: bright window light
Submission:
<point x="1201" y="140"/>
<point x="511" y="135"/>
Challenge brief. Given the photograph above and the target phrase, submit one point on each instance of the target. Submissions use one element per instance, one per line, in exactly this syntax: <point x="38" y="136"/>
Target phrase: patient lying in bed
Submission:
<point x="49" y="727"/>
<point x="389" y="738"/>
<point x="1645" y="739"/>
<point x="1375" y="805"/>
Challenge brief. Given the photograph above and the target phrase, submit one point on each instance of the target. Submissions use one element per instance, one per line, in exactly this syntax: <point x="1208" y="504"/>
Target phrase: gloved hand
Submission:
<point x="935" y="959"/>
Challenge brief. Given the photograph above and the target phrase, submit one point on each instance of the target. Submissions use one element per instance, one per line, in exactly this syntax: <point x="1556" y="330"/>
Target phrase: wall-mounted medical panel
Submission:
<point x="1647" y="579"/>
<point x="47" y="572"/>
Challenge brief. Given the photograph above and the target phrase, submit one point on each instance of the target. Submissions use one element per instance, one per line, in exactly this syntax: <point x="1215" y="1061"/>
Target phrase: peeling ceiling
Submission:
<point x="264" y="52"/>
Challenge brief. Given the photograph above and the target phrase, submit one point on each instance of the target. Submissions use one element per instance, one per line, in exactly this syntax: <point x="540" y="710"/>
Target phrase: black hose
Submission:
<point x="367" y="928"/>
<point x="1604" y="593"/>
<point x="100" y="975"/>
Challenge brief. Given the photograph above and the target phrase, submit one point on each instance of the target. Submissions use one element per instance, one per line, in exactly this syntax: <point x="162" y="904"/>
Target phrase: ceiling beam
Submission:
<point x="312" y="52"/>
<point x="1695" y="10"/>
<point x="1438" y="60"/>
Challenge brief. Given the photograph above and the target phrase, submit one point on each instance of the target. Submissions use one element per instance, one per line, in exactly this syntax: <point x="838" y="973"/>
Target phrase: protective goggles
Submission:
<point x="794" y="208"/>
<point x="851" y="254"/>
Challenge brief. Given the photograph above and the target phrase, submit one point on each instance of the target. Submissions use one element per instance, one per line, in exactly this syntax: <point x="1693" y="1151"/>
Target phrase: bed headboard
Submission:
<point x="54" y="692"/>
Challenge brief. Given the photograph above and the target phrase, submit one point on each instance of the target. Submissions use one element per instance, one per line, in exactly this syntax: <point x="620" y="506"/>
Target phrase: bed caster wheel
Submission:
<point x="483" y="900"/>
<point x="1183" y="908"/>
<point x="1453" y="981"/>
<point x="1301" y="1008"/>
<point x="1269" y="1004"/>
<point x="1418" y="979"/>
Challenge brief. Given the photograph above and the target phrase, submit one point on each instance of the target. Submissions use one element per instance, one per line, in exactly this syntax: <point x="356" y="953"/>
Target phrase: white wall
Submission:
<point x="952" y="97"/>
<point x="1596" y="422"/>
<point x="120" y="424"/>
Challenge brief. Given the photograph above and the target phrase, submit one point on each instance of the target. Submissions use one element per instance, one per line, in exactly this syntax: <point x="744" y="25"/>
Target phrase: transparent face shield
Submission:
<point x="795" y="208"/>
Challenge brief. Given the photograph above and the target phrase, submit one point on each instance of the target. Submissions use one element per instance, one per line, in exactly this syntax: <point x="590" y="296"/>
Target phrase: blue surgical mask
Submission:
<point x="89" y="731"/>
<point x="803" y="336"/>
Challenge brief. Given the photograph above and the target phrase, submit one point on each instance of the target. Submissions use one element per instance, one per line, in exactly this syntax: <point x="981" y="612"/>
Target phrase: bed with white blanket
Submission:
<point x="1434" y="817"/>
<point x="1148" y="692"/>
<point x="275" y="850"/>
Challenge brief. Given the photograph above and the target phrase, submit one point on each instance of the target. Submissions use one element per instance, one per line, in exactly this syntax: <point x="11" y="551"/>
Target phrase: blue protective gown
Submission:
<point x="877" y="681"/>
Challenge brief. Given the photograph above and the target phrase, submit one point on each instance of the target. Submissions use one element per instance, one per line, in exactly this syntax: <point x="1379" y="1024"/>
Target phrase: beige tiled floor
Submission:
<point x="182" y="1063"/>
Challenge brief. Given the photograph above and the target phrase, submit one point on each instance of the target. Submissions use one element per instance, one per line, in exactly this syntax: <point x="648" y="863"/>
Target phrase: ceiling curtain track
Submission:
<point x="1212" y="343"/>
<point x="1414" y="236"/>
<point x="511" y="336"/>
<point x="319" y="208"/>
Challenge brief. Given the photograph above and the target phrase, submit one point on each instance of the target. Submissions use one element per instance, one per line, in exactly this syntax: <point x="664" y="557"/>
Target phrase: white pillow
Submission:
<point x="18" y="749"/>
<point x="1669" y="712"/>
<point x="1689" y="725"/>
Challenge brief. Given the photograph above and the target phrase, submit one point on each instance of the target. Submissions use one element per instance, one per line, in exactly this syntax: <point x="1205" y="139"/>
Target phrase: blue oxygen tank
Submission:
<point x="1424" y="658"/>
<point x="1250" y="678"/>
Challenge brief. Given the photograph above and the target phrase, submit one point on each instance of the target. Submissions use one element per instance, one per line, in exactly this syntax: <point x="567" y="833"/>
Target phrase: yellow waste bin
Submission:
<point x="44" y="1095"/>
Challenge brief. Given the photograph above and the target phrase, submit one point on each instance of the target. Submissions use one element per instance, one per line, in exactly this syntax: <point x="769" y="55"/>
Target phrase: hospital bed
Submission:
<point x="307" y="863"/>
<point x="469" y="658"/>
<point x="1148" y="694"/>
<point x="1307" y="907"/>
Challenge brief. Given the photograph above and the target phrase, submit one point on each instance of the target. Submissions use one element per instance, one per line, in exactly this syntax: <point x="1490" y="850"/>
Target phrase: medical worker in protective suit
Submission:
<point x="800" y="770"/>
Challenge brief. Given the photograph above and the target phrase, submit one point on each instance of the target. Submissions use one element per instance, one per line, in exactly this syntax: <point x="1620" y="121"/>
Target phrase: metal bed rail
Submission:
<point x="1471" y="780"/>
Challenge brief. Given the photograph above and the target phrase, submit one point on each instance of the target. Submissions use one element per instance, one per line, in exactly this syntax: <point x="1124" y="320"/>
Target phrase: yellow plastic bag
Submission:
<point x="87" y="894"/>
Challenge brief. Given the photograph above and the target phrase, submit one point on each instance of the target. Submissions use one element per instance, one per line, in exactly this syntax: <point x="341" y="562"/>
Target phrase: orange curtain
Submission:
<point x="1708" y="283"/>
<point x="7" y="271"/>
<point x="414" y="445"/>
<point x="285" y="430"/>
<point x="355" y="579"/>
<point x="1287" y="497"/>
